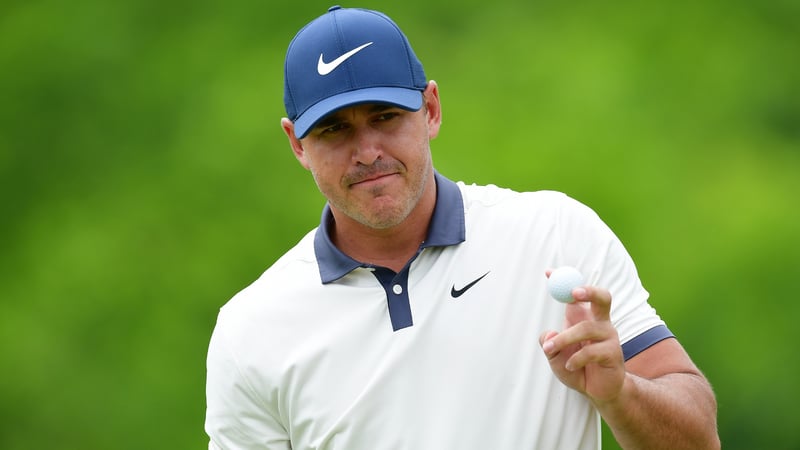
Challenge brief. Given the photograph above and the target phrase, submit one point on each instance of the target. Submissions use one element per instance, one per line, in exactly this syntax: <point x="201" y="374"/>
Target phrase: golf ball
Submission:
<point x="562" y="281"/>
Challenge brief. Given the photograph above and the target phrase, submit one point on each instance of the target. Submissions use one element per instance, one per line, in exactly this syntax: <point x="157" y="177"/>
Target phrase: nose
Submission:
<point x="367" y="146"/>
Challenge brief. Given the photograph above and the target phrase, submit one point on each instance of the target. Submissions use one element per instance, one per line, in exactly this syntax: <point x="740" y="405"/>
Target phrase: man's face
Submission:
<point x="372" y="162"/>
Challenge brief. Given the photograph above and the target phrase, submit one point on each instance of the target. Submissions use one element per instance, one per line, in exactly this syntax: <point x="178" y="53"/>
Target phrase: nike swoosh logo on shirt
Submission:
<point x="324" y="68"/>
<point x="455" y="293"/>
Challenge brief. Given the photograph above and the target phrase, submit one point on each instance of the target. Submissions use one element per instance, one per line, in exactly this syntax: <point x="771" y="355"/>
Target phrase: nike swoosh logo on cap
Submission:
<point x="324" y="68"/>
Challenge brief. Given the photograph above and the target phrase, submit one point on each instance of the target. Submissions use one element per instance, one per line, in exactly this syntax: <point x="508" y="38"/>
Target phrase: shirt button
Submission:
<point x="397" y="289"/>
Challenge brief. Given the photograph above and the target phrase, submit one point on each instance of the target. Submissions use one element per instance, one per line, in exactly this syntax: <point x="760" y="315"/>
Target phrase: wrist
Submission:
<point x="619" y="404"/>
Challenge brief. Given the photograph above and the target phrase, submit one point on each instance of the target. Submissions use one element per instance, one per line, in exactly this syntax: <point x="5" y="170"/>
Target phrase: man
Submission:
<point x="407" y="319"/>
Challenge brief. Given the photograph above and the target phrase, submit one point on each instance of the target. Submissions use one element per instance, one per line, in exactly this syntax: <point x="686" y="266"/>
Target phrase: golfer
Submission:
<point x="416" y="316"/>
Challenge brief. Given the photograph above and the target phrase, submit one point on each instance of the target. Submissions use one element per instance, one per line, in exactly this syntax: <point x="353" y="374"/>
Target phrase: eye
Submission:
<point x="333" y="128"/>
<point x="386" y="116"/>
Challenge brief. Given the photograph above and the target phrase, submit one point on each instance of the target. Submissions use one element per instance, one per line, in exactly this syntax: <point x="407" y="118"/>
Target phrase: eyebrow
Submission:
<point x="336" y="117"/>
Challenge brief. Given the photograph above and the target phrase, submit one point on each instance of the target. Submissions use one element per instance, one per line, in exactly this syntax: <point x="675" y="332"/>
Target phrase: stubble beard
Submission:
<point x="380" y="211"/>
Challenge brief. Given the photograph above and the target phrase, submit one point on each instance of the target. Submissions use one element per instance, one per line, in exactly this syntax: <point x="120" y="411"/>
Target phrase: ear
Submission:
<point x="434" y="108"/>
<point x="297" y="146"/>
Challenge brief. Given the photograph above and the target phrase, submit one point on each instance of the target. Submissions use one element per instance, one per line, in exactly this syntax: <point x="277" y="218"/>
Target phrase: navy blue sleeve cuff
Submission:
<point x="645" y="340"/>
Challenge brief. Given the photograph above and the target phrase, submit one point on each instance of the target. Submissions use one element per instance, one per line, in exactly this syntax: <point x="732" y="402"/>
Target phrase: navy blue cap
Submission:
<point x="348" y="57"/>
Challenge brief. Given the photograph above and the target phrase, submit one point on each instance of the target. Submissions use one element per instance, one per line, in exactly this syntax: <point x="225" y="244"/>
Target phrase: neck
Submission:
<point x="389" y="247"/>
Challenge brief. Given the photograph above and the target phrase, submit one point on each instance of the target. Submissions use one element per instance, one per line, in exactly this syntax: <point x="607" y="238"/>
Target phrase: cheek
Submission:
<point x="304" y="160"/>
<point x="314" y="163"/>
<point x="325" y="174"/>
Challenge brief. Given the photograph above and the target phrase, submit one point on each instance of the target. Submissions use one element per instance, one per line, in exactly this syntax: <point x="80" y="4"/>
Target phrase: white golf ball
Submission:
<point x="562" y="281"/>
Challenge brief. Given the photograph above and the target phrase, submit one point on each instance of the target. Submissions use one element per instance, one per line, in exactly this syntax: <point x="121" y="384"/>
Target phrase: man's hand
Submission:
<point x="587" y="355"/>
<point x="660" y="401"/>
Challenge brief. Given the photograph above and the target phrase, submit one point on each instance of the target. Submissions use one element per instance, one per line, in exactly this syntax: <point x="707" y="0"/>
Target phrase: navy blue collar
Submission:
<point x="446" y="228"/>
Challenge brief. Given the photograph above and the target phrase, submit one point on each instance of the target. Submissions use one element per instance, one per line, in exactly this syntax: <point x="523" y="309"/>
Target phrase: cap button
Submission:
<point x="334" y="8"/>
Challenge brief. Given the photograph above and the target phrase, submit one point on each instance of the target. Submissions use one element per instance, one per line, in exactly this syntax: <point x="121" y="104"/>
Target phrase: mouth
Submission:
<point x="372" y="179"/>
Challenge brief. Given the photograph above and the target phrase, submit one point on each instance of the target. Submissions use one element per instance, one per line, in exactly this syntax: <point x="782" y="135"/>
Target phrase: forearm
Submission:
<point x="674" y="411"/>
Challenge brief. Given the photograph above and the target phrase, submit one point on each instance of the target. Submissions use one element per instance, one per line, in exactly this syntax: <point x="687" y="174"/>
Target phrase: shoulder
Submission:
<point x="491" y="194"/>
<point x="553" y="207"/>
<point x="296" y="267"/>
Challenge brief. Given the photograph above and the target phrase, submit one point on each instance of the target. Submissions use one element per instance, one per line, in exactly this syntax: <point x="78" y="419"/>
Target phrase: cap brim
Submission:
<point x="410" y="99"/>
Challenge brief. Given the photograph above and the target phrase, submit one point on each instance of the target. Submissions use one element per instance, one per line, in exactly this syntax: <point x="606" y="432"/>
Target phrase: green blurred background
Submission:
<point x="145" y="180"/>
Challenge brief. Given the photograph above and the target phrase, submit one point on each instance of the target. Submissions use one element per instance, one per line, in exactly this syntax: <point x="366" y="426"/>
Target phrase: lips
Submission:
<point x="374" y="173"/>
<point x="371" y="177"/>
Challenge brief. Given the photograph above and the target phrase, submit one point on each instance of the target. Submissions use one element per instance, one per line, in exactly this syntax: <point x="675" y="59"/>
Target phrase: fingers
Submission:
<point x="599" y="298"/>
<point x="588" y="321"/>
<point x="581" y="333"/>
<point x="603" y="354"/>
<point x="582" y="345"/>
<point x="587" y="355"/>
<point x="545" y="336"/>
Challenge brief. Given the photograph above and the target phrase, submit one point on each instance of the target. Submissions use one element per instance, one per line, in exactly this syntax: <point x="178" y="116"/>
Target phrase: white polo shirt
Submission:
<point x="323" y="352"/>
